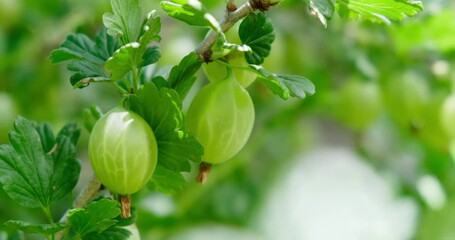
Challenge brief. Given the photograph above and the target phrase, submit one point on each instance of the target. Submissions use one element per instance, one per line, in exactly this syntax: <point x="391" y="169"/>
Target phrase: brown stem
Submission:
<point x="204" y="171"/>
<point x="125" y="206"/>
<point x="203" y="50"/>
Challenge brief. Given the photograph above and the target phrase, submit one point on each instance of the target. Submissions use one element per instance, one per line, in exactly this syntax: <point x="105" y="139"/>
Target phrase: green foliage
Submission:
<point x="431" y="33"/>
<point x="191" y="12"/>
<point x="35" y="228"/>
<point x="93" y="61"/>
<point x="181" y="77"/>
<point x="166" y="181"/>
<point x="112" y="233"/>
<point x="38" y="169"/>
<point x="284" y="85"/>
<point x="322" y="9"/>
<point x="256" y="31"/>
<point x="383" y="11"/>
<point x="136" y="54"/>
<point x="87" y="57"/>
<point x="97" y="221"/>
<point x="90" y="116"/>
<point x="125" y="20"/>
<point x="379" y="11"/>
<point x="175" y="147"/>
<point x="123" y="61"/>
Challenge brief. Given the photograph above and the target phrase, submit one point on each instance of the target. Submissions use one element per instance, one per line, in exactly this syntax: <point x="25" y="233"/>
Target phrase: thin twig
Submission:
<point x="203" y="50"/>
<point x="84" y="197"/>
<point x="92" y="188"/>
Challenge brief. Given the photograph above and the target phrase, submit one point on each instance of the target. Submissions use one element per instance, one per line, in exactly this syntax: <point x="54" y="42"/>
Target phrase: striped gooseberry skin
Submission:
<point x="123" y="151"/>
<point x="221" y="116"/>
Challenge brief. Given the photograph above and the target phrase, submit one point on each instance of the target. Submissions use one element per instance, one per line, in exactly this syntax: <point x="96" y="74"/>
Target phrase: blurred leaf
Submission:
<point x="181" y="77"/>
<point x="35" y="228"/>
<point x="125" y="21"/>
<point x="434" y="32"/>
<point x="95" y="219"/>
<point x="35" y="177"/>
<point x="16" y="235"/>
<point x="87" y="57"/>
<point x="90" y="116"/>
<point x="380" y="11"/>
<point x="162" y="109"/>
<point x="284" y="85"/>
<point x="256" y="31"/>
<point x="191" y="12"/>
<point x="166" y="181"/>
<point x="322" y="9"/>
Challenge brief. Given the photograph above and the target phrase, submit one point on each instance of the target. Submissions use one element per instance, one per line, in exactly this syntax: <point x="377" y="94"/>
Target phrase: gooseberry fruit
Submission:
<point x="221" y="116"/>
<point x="407" y="98"/>
<point x="216" y="71"/>
<point x="123" y="151"/>
<point x="359" y="103"/>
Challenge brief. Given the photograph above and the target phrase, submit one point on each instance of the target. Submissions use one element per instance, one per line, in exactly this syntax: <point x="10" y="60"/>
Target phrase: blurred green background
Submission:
<point x="366" y="157"/>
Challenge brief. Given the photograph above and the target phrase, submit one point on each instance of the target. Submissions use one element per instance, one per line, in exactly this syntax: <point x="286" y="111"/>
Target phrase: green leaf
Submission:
<point x="86" y="73"/>
<point x="322" y="9"/>
<point x="16" y="235"/>
<point x="151" y="56"/>
<point x="35" y="228"/>
<point x="150" y="29"/>
<point x="97" y="217"/>
<point x="166" y="181"/>
<point x="33" y="175"/>
<point x="284" y="85"/>
<point x="124" y="60"/>
<point x="112" y="233"/>
<point x="136" y="54"/>
<point x="123" y="222"/>
<point x="162" y="109"/>
<point x="380" y="11"/>
<point x="181" y="77"/>
<point x="256" y="31"/>
<point x="434" y="33"/>
<point x="125" y="21"/>
<point x="150" y="32"/>
<point x="191" y="12"/>
<point x="90" y="116"/>
<point x="87" y="57"/>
